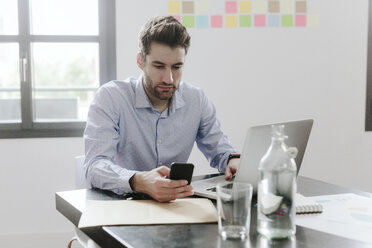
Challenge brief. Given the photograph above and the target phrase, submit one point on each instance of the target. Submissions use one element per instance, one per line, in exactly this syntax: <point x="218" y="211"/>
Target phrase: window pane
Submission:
<point x="70" y="75"/>
<point x="65" y="64"/>
<point x="10" y="108"/>
<point x="8" y="17"/>
<point x="62" y="105"/>
<point x="64" y="17"/>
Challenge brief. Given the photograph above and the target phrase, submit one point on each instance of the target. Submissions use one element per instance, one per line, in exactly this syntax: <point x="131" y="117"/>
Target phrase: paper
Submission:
<point x="216" y="21"/>
<point x="231" y="21"/>
<point x="146" y="212"/>
<point x="300" y="21"/>
<point x="174" y="7"/>
<point x="346" y="215"/>
<point x="230" y="7"/>
<point x="259" y="20"/>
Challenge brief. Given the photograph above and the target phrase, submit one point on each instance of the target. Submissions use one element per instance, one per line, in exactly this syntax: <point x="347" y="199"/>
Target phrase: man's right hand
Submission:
<point x="158" y="187"/>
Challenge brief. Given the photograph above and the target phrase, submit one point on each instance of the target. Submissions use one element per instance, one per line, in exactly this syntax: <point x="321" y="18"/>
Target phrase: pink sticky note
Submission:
<point x="231" y="7"/>
<point x="177" y="17"/>
<point x="259" y="20"/>
<point x="300" y="20"/>
<point x="216" y="21"/>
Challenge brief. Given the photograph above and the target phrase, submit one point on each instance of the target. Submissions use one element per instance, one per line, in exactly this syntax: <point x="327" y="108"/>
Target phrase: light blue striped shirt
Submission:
<point x="126" y="134"/>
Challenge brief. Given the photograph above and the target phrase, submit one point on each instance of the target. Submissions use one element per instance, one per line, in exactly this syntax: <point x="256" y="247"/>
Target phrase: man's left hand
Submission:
<point x="231" y="168"/>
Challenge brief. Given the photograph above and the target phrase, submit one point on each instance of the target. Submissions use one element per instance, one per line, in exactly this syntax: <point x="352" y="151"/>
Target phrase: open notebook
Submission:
<point x="305" y="205"/>
<point x="271" y="203"/>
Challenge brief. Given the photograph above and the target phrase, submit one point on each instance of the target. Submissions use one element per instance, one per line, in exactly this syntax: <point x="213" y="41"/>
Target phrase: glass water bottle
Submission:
<point x="277" y="188"/>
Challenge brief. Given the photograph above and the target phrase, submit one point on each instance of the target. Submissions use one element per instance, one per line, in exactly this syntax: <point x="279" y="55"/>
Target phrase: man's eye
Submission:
<point x="159" y="66"/>
<point x="176" y="67"/>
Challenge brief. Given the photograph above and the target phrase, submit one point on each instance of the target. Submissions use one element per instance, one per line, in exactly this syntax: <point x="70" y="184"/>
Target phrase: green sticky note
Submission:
<point x="188" y="21"/>
<point x="287" y="20"/>
<point x="245" y="21"/>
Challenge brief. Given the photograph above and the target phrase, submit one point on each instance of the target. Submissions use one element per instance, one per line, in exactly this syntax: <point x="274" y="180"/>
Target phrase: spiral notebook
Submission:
<point x="305" y="205"/>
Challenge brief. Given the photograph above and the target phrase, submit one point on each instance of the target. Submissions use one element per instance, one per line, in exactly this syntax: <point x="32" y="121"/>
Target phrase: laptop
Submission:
<point x="257" y="142"/>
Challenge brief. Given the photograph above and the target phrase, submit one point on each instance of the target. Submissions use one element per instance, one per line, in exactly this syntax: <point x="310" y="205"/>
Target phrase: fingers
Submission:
<point x="228" y="174"/>
<point x="163" y="171"/>
<point x="173" y="194"/>
<point x="230" y="171"/>
<point x="167" y="190"/>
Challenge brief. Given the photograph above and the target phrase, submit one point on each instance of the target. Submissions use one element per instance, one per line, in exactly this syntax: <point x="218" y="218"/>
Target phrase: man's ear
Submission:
<point x="139" y="60"/>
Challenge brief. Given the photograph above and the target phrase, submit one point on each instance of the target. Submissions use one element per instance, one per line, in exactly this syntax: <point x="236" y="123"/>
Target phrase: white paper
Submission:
<point x="346" y="215"/>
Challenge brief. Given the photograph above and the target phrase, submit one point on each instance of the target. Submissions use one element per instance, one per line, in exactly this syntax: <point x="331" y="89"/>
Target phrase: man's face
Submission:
<point x="162" y="70"/>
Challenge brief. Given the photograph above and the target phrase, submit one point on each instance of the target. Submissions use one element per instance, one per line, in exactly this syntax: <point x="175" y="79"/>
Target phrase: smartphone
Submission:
<point x="181" y="171"/>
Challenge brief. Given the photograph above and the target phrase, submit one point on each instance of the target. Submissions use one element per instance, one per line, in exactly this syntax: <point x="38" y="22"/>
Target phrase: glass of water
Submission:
<point x="234" y="209"/>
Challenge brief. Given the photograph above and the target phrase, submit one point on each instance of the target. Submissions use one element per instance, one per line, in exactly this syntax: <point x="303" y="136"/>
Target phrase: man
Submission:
<point x="136" y="128"/>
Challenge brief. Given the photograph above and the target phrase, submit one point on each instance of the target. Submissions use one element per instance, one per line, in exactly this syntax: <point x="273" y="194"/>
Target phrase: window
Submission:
<point x="54" y="56"/>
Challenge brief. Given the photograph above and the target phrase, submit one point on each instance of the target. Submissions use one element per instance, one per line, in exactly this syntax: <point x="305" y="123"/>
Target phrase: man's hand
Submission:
<point x="158" y="187"/>
<point x="231" y="168"/>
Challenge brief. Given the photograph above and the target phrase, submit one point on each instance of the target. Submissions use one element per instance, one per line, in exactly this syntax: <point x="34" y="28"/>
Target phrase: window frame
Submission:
<point x="368" y="113"/>
<point x="106" y="39"/>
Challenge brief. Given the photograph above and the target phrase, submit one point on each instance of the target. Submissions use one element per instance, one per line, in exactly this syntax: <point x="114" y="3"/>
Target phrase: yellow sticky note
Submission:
<point x="245" y="6"/>
<point x="231" y="21"/>
<point x="174" y="7"/>
<point x="312" y="20"/>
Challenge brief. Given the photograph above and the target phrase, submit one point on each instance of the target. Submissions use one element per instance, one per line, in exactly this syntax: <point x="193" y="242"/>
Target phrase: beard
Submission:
<point x="161" y="91"/>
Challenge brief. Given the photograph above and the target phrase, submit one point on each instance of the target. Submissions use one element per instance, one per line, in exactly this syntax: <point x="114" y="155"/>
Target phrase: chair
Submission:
<point x="81" y="183"/>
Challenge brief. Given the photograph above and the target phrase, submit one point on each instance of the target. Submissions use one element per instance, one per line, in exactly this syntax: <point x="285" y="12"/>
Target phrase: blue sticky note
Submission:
<point x="273" y="20"/>
<point x="202" y="21"/>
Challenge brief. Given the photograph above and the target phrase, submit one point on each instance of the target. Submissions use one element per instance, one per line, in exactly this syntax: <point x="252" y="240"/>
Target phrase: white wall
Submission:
<point x="253" y="76"/>
<point x="31" y="171"/>
<point x="260" y="75"/>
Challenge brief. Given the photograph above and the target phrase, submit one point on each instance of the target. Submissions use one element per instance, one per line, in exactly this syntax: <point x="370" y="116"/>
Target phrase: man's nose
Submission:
<point x="168" y="77"/>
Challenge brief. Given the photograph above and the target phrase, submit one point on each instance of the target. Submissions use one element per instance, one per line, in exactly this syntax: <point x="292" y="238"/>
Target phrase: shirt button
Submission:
<point x="159" y="141"/>
<point x="161" y="163"/>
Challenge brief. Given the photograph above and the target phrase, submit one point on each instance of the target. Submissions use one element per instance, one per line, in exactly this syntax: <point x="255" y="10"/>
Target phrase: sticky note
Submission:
<point x="231" y="21"/>
<point x="245" y="6"/>
<point x="287" y="20"/>
<point x="259" y="20"/>
<point x="178" y="17"/>
<point x="188" y="21"/>
<point x="174" y="7"/>
<point x="245" y="21"/>
<point x="216" y="21"/>
<point x="273" y="7"/>
<point x="230" y="7"/>
<point x="300" y="20"/>
<point x="201" y="7"/>
<point x="217" y="7"/>
<point x="188" y="7"/>
<point x="259" y="7"/>
<point x="202" y="21"/>
<point x="301" y="7"/>
<point x="286" y="6"/>
<point x="312" y="20"/>
<point x="273" y="20"/>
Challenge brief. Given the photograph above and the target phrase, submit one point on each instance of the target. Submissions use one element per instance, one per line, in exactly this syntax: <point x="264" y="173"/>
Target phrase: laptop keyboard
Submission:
<point x="226" y="186"/>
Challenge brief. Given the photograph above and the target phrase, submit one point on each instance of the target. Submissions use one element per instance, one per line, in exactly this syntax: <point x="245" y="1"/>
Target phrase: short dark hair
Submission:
<point x="163" y="29"/>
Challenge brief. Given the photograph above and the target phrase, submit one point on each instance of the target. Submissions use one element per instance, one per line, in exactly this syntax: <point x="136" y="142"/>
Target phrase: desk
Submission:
<point x="72" y="203"/>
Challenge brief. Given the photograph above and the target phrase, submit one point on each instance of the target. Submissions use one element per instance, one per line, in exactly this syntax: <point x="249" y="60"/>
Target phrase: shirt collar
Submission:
<point x="143" y="101"/>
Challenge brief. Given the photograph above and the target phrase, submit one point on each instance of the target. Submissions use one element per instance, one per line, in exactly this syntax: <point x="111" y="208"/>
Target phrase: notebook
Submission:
<point x="257" y="141"/>
<point x="305" y="205"/>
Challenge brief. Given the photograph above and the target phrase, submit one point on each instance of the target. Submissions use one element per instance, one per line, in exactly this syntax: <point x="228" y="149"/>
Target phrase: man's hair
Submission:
<point x="163" y="29"/>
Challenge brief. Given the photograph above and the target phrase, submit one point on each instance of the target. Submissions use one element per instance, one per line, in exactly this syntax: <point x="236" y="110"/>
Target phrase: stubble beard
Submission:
<point x="155" y="92"/>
